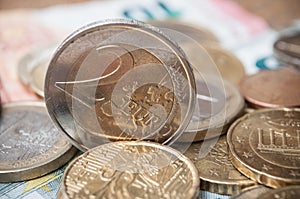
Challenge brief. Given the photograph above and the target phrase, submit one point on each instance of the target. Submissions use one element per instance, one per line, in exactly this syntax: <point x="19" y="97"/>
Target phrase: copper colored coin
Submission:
<point x="272" y="88"/>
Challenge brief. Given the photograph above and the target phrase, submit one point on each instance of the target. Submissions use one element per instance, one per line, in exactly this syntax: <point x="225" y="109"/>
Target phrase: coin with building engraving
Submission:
<point x="215" y="109"/>
<point x="131" y="169"/>
<point x="119" y="80"/>
<point x="30" y="145"/>
<point x="265" y="146"/>
<point x="253" y="192"/>
<point x="289" y="192"/>
<point x="217" y="174"/>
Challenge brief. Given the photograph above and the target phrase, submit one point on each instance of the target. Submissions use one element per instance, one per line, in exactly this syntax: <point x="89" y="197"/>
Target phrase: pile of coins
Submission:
<point x="149" y="107"/>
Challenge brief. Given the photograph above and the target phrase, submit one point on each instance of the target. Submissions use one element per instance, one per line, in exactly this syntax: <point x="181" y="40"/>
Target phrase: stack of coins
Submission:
<point x="157" y="113"/>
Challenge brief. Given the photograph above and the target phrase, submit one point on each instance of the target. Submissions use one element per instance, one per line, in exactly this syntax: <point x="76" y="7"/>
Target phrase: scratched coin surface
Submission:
<point x="30" y="145"/>
<point x="217" y="174"/>
<point x="287" y="48"/>
<point x="253" y="192"/>
<point x="215" y="109"/>
<point x="265" y="145"/>
<point x="272" y="88"/>
<point x="119" y="80"/>
<point x="131" y="169"/>
<point x="289" y="192"/>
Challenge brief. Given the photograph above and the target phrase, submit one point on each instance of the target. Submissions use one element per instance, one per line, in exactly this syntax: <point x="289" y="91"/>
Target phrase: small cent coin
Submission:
<point x="264" y="146"/>
<point x="215" y="110"/>
<point x="131" y="169"/>
<point x="253" y="192"/>
<point x="30" y="145"/>
<point x="119" y="80"/>
<point x="272" y="88"/>
<point x="289" y="192"/>
<point x="217" y="174"/>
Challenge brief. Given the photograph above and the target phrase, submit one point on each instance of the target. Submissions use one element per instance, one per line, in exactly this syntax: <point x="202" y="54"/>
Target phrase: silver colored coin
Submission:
<point x="119" y="80"/>
<point x="30" y="145"/>
<point x="32" y="60"/>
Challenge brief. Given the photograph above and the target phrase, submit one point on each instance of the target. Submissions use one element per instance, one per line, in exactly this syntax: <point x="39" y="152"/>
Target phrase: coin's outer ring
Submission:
<point x="135" y="24"/>
<point x="253" y="189"/>
<point x="193" y="193"/>
<point x="270" y="194"/>
<point x="42" y="168"/>
<point x="220" y="129"/>
<point x="252" y="173"/>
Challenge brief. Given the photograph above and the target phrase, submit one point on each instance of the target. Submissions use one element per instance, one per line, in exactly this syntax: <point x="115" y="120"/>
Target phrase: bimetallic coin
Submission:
<point x="30" y="145"/>
<point x="289" y="192"/>
<point x="253" y="192"/>
<point x="287" y="48"/>
<point x="193" y="31"/>
<point x="131" y="169"/>
<point x="272" y="88"/>
<point x="213" y="112"/>
<point x="217" y="174"/>
<point x="265" y="145"/>
<point x="119" y="80"/>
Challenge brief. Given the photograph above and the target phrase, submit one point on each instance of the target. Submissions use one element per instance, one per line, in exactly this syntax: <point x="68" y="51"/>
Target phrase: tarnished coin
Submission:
<point x="30" y="145"/>
<point x="119" y="80"/>
<point x="253" y="192"/>
<point x="272" y="88"/>
<point x="131" y="169"/>
<point x="287" y="48"/>
<point x="213" y="111"/>
<point x="265" y="145"/>
<point x="289" y="192"/>
<point x="217" y="174"/>
<point x="195" y="32"/>
<point x="32" y="60"/>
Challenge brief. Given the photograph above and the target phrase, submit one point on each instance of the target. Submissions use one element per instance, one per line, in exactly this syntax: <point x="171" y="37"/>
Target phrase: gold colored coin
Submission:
<point x="253" y="192"/>
<point x="265" y="146"/>
<point x="217" y="174"/>
<point x="131" y="170"/>
<point x="214" y="111"/>
<point x="289" y="192"/>
<point x="229" y="66"/>
<point x="37" y="78"/>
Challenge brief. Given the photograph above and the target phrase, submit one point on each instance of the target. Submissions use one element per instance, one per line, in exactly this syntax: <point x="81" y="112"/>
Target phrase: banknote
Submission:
<point x="21" y="31"/>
